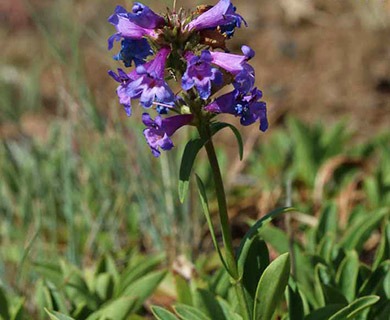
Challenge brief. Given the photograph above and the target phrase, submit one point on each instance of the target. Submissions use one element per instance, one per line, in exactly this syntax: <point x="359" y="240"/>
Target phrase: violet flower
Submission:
<point x="230" y="62"/>
<point x="132" y="26"/>
<point x="222" y="15"/>
<point x="151" y="81"/>
<point x="247" y="107"/>
<point x="159" y="130"/>
<point x="145" y="17"/>
<point x="244" y="74"/>
<point x="134" y="50"/>
<point x="244" y="80"/>
<point x="201" y="74"/>
<point x="124" y="79"/>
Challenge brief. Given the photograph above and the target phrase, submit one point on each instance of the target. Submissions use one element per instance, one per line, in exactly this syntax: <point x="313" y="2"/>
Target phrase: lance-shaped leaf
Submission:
<point x="355" y="308"/>
<point x="189" y="313"/>
<point x="271" y="288"/>
<point x="163" y="314"/>
<point x="205" y="206"/>
<point x="54" y="315"/>
<point x="192" y="149"/>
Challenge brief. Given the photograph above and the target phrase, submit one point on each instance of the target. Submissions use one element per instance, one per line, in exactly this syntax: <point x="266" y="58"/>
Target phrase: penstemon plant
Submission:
<point x="189" y="49"/>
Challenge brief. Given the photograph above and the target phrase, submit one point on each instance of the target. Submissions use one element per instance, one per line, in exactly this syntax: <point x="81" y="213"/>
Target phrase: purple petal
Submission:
<point x="165" y="143"/>
<point x="232" y="63"/>
<point x="246" y="106"/>
<point x="212" y="17"/>
<point x="171" y="124"/>
<point x="128" y="110"/>
<point x="245" y="79"/>
<point x="110" y="41"/>
<point x="144" y="17"/>
<point x="147" y="120"/>
<point x="114" y="76"/>
<point x="127" y="28"/>
<point x="158" y="131"/>
<point x="248" y="52"/>
<point x="223" y="104"/>
<point x="201" y="74"/>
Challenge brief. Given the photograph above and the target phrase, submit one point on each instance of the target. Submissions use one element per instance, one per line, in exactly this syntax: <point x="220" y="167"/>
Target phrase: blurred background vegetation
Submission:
<point x="78" y="182"/>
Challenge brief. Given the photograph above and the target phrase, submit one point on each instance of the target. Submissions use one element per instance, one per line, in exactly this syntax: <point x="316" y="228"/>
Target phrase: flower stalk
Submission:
<point x="231" y="261"/>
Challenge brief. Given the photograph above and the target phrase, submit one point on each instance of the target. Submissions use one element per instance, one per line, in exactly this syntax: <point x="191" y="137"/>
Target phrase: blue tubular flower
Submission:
<point x="159" y="131"/>
<point x="201" y="74"/>
<point x="151" y="81"/>
<point x="244" y="74"/>
<point x="127" y="27"/>
<point x="134" y="50"/>
<point x="247" y="107"/>
<point x="122" y="91"/>
<point x="230" y="62"/>
<point x="245" y="79"/>
<point x="222" y="15"/>
<point x="145" y="17"/>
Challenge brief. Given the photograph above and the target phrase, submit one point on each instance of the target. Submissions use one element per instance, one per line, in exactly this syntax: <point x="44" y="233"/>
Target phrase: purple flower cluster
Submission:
<point x="188" y="49"/>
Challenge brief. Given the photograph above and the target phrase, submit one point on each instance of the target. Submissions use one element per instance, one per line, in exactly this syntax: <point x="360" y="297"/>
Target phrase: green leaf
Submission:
<point x="118" y="309"/>
<point x="206" y="211"/>
<point x="253" y="231"/>
<point x="183" y="290"/>
<point x="58" y="298"/>
<point x="54" y="315"/>
<point x="358" y="233"/>
<point x="384" y="314"/>
<point x="189" y="313"/>
<point x="295" y="301"/>
<point x="215" y="127"/>
<point x="77" y="287"/>
<point x="191" y="150"/>
<point x="275" y="237"/>
<point x="50" y="271"/>
<point x="227" y="310"/>
<point x="355" y="308"/>
<point x="383" y="252"/>
<point x="134" y="272"/>
<point x="107" y="265"/>
<point x="326" y="246"/>
<point x="386" y="285"/>
<point x="43" y="297"/>
<point x="4" y="312"/>
<point x="144" y="287"/>
<point x="82" y="311"/>
<point x="187" y="162"/>
<point x="135" y="317"/>
<point x="206" y="302"/>
<point x="327" y="222"/>
<point x="271" y="287"/>
<point x="347" y="275"/>
<point x="376" y="279"/>
<point x="332" y="295"/>
<point x="372" y="191"/>
<point x="163" y="314"/>
<point x="325" y="312"/>
<point x="104" y="286"/>
<point x="318" y="288"/>
<point x="219" y="283"/>
<point x="17" y="312"/>
<point x="253" y="260"/>
<point x="305" y="150"/>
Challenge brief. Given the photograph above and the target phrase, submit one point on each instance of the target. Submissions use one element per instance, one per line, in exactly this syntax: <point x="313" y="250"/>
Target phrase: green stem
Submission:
<point x="222" y="205"/>
<point x="225" y="225"/>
